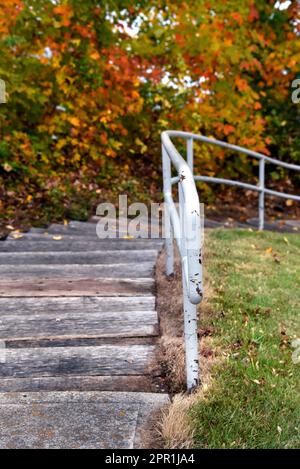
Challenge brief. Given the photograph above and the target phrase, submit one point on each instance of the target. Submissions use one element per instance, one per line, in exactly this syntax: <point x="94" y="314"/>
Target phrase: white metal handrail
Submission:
<point x="263" y="159"/>
<point x="185" y="226"/>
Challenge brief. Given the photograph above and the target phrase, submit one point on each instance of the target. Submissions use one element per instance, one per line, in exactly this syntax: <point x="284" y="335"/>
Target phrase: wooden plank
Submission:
<point x="57" y="229"/>
<point x="33" y="271"/>
<point x="88" y="257"/>
<point x="66" y="325"/>
<point x="85" y="237"/>
<point x="132" y="383"/>
<point x="80" y="342"/>
<point x="146" y="225"/>
<point x="81" y="228"/>
<point x="44" y="245"/>
<point x="65" y="361"/>
<point x="36" y="237"/>
<point x="73" y="305"/>
<point x="77" y="287"/>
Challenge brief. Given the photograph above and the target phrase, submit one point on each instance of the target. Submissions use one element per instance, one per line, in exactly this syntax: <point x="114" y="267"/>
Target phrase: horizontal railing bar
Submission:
<point x="243" y="185"/>
<point x="282" y="195"/>
<point x="229" y="146"/>
<point x="229" y="182"/>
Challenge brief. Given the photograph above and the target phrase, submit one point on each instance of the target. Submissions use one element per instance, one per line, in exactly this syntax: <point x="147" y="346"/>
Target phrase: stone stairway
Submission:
<point x="78" y="339"/>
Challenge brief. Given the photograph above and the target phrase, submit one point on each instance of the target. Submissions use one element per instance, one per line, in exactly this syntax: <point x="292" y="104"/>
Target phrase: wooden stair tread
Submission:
<point x="86" y="361"/>
<point x="46" y="243"/>
<point x="46" y="271"/>
<point x="88" y="304"/>
<point x="131" y="383"/>
<point x="87" y="257"/>
<point x="77" y="287"/>
<point x="63" y="325"/>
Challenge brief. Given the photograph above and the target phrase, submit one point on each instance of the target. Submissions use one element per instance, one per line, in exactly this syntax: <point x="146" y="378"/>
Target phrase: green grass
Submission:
<point x="254" y="399"/>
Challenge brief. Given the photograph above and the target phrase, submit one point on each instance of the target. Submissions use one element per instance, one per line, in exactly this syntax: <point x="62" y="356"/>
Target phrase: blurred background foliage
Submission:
<point x="91" y="84"/>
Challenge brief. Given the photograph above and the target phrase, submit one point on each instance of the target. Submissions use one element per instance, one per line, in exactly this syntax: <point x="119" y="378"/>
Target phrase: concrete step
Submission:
<point x="71" y="420"/>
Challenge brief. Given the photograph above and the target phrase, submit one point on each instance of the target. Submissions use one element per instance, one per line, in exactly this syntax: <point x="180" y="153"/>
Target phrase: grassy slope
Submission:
<point x="254" y="401"/>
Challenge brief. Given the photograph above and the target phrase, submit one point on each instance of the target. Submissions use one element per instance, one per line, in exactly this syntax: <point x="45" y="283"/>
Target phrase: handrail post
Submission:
<point x="261" y="200"/>
<point x="168" y="226"/>
<point x="191" y="339"/>
<point x="189" y="309"/>
<point x="190" y="153"/>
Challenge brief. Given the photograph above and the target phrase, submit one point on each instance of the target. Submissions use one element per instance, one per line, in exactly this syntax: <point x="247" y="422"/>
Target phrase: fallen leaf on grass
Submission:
<point x="279" y="429"/>
<point x="256" y="381"/>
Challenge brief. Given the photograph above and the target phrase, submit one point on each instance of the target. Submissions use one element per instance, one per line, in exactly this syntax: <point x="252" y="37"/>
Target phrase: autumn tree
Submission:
<point x="92" y="84"/>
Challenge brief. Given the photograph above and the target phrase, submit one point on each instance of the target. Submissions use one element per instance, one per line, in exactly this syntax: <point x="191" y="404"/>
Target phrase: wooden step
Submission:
<point x="83" y="271"/>
<point x="78" y="325"/>
<point x="30" y="236"/>
<point x="131" y="383"/>
<point x="106" y="360"/>
<point x="62" y="230"/>
<point x="77" y="287"/>
<point x="87" y="257"/>
<point x="81" y="228"/>
<point x="81" y="237"/>
<point x="70" y="420"/>
<point x="43" y="244"/>
<point x="146" y="225"/>
<point x="75" y="305"/>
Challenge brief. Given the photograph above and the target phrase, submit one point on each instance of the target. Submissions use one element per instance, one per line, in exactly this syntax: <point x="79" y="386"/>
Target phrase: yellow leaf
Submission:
<point x="61" y="143"/>
<point x="16" y="235"/>
<point x="95" y="56"/>
<point x="7" y="167"/>
<point x="57" y="238"/>
<point x="76" y="41"/>
<point x="74" y="121"/>
<point x="138" y="142"/>
<point x="269" y="250"/>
